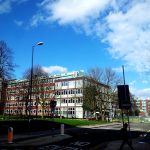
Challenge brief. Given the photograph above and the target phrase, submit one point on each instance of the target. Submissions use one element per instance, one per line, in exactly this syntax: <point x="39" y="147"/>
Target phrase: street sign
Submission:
<point x="124" y="97"/>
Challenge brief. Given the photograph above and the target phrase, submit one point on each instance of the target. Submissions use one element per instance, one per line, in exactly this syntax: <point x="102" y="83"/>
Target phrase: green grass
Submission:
<point x="72" y="122"/>
<point x="77" y="122"/>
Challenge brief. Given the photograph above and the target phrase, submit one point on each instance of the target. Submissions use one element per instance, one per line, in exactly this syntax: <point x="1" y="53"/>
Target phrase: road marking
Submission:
<point x="78" y="143"/>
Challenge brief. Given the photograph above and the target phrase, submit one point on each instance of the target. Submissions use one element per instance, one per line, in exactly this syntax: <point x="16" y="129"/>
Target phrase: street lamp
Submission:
<point x="33" y="47"/>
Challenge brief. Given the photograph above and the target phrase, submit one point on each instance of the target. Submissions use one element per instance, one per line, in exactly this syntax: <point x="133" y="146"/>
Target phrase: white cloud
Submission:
<point x="145" y="81"/>
<point x="36" y="19"/>
<point x="18" y="22"/>
<point x="55" y="69"/>
<point x="124" y="25"/>
<point x="120" y="69"/>
<point x="6" y="5"/>
<point x="141" y="93"/>
<point x="70" y="12"/>
<point x="129" y="36"/>
<point x="132" y="83"/>
<point x="76" y="10"/>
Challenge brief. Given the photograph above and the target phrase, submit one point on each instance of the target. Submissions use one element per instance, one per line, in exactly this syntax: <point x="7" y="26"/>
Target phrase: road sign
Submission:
<point x="124" y="97"/>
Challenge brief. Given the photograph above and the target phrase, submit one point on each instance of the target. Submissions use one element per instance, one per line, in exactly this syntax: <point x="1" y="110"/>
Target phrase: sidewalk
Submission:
<point x="101" y="125"/>
<point x="115" y="145"/>
<point x="23" y="136"/>
<point x="33" y="139"/>
<point x="35" y="142"/>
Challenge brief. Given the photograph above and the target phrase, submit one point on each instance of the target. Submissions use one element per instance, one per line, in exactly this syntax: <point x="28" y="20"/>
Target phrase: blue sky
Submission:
<point x="80" y="34"/>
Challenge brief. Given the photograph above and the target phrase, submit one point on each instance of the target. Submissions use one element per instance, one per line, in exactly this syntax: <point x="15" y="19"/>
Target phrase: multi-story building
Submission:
<point x="3" y="87"/>
<point x="65" y="89"/>
<point x="143" y="106"/>
<point x="18" y="96"/>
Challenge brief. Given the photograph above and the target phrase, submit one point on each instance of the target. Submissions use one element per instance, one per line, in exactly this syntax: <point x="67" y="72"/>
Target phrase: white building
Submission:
<point x="65" y="89"/>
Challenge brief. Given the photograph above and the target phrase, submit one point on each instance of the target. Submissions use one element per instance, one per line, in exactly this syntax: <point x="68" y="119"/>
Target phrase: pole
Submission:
<point x="39" y="43"/>
<point x="31" y="81"/>
<point x="36" y="106"/>
<point x="9" y="110"/>
<point x="125" y="96"/>
<point x="121" y="105"/>
<point x="62" y="129"/>
<point x="123" y="75"/>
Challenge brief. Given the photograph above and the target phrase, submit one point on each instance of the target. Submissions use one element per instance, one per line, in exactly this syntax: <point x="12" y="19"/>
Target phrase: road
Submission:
<point x="80" y="138"/>
<point x="89" y="138"/>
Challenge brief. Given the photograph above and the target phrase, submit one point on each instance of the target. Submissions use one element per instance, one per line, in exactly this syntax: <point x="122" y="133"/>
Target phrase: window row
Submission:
<point x="70" y="91"/>
<point x="32" y="111"/>
<point x="68" y="111"/>
<point x="72" y="100"/>
<point x="41" y="96"/>
<point x="27" y="104"/>
<point x="25" y="90"/>
<point x="74" y="83"/>
<point x="26" y="83"/>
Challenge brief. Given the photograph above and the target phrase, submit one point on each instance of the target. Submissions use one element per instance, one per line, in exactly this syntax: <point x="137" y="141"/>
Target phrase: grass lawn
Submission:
<point x="77" y="122"/>
<point x="72" y="122"/>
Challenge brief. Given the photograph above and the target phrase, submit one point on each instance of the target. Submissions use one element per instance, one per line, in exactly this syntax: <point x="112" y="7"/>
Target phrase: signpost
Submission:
<point x="124" y="98"/>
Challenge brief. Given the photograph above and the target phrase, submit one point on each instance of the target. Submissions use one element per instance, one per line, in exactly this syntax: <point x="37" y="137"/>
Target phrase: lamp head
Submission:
<point x="40" y="43"/>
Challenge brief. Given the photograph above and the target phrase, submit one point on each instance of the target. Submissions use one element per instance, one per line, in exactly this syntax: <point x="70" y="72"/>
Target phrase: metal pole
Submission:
<point x="121" y="105"/>
<point x="31" y="81"/>
<point x="39" y="43"/>
<point x="123" y="75"/>
<point x="125" y="96"/>
<point x="9" y="110"/>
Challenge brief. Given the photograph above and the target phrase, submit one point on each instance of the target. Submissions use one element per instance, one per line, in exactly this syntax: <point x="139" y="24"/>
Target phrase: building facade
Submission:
<point x="3" y="87"/>
<point x="65" y="89"/>
<point x="143" y="106"/>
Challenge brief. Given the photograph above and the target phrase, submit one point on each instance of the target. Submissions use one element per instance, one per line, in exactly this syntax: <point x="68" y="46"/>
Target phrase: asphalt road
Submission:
<point x="90" y="138"/>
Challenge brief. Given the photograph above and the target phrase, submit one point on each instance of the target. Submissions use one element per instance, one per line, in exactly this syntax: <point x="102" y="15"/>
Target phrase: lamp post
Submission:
<point x="33" y="47"/>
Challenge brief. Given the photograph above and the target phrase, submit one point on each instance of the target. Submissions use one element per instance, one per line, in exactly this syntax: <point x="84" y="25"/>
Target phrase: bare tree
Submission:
<point x="38" y="75"/>
<point x="42" y="99"/>
<point x="37" y="72"/>
<point x="111" y="78"/>
<point x="107" y="76"/>
<point x="95" y="73"/>
<point x="89" y="98"/>
<point x="6" y="71"/>
<point x="6" y="61"/>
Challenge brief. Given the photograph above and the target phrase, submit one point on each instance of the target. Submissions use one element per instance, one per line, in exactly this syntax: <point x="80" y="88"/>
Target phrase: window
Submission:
<point x="63" y="100"/>
<point x="71" y="111"/>
<point x="65" y="83"/>
<point x="69" y="101"/>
